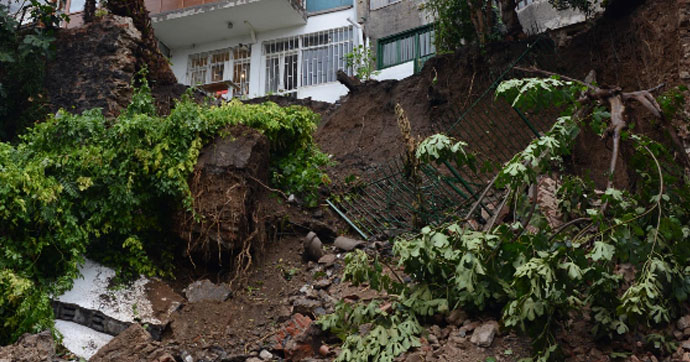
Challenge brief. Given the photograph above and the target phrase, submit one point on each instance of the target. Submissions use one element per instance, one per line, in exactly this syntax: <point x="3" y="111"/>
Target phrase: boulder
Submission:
<point x="228" y="181"/>
<point x="30" y="348"/>
<point x="133" y="345"/>
<point x="205" y="290"/>
<point x="484" y="335"/>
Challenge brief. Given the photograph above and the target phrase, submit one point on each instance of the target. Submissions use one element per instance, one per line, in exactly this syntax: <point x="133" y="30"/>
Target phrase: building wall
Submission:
<point x="537" y="16"/>
<point x="390" y="19"/>
<point x="397" y="72"/>
<point x="329" y="92"/>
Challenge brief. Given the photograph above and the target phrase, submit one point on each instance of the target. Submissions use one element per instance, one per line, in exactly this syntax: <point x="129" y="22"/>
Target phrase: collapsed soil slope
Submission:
<point x="637" y="48"/>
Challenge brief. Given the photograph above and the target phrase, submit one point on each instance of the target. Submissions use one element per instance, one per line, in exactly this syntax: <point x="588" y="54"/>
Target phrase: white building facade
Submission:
<point x="252" y="48"/>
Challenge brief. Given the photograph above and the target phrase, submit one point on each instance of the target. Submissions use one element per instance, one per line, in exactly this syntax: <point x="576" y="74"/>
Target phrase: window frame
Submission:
<point x="396" y="39"/>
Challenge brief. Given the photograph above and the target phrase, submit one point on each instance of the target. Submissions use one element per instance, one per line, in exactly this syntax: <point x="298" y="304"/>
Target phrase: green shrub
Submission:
<point x="78" y="184"/>
<point x="540" y="277"/>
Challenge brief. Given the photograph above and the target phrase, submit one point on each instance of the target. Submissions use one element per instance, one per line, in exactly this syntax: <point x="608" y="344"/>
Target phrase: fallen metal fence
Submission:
<point x="494" y="131"/>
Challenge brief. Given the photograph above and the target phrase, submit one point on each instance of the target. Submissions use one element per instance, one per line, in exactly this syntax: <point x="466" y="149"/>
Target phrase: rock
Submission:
<point x="254" y="359"/>
<point x="227" y="187"/>
<point x="322" y="284"/>
<point x="313" y="247"/>
<point x="297" y="325"/>
<point x="29" y="348"/>
<point x="456" y="317"/>
<point x="686" y="345"/>
<point x="328" y="260"/>
<point x="678" y="334"/>
<point x="305" y="305"/>
<point x="683" y="323"/>
<point x="347" y="244"/>
<point x="205" y="290"/>
<point x="265" y="355"/>
<point x="686" y="332"/>
<point x="686" y="357"/>
<point x="484" y="335"/>
<point x="133" y="345"/>
<point x="324" y="350"/>
<point x="415" y="357"/>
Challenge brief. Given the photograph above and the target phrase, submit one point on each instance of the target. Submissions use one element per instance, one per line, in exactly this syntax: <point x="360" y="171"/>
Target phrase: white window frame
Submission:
<point x="337" y="42"/>
<point x="228" y="69"/>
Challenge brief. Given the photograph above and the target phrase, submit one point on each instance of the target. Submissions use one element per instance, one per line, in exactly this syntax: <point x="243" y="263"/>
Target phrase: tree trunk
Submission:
<point x="89" y="10"/>
<point x="510" y="18"/>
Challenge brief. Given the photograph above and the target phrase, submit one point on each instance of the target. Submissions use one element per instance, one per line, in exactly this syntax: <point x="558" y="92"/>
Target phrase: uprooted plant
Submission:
<point x="84" y="184"/>
<point x="539" y="272"/>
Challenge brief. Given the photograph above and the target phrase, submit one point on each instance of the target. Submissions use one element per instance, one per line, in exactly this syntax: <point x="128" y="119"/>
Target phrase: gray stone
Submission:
<point x="683" y="322"/>
<point x="205" y="290"/>
<point x="254" y="359"/>
<point x="305" y="306"/>
<point x="265" y="355"/>
<point x="322" y="284"/>
<point x="686" y="345"/>
<point x="328" y="260"/>
<point x="313" y="247"/>
<point x="484" y="335"/>
<point x="347" y="244"/>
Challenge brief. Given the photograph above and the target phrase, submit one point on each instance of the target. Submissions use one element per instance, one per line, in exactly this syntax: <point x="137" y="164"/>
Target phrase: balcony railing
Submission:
<point x="161" y="6"/>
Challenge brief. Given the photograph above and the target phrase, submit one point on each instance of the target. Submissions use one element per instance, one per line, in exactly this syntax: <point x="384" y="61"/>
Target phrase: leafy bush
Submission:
<point x="540" y="277"/>
<point x="363" y="62"/>
<point x="24" y="51"/>
<point x="78" y="184"/>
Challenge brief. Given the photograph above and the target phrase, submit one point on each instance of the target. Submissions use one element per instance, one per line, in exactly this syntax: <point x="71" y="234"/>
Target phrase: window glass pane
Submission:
<point x="76" y="6"/>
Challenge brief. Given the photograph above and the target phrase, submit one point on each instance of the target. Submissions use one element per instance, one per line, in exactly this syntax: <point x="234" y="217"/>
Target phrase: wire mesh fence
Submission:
<point x="494" y="131"/>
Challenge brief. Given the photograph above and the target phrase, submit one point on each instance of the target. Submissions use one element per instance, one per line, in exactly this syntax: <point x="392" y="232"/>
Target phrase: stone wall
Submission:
<point x="94" y="66"/>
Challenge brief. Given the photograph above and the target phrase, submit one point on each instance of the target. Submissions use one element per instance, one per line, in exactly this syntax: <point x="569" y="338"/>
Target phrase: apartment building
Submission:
<point x="400" y="34"/>
<point x="251" y="48"/>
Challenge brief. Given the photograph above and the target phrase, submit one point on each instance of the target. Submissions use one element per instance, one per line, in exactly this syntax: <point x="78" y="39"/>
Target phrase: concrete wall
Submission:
<point x="397" y="72"/>
<point x="390" y="19"/>
<point x="329" y="92"/>
<point x="541" y="16"/>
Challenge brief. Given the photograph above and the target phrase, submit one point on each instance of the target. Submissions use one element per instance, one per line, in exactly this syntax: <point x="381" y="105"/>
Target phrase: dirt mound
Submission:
<point x="635" y="49"/>
<point x="363" y="134"/>
<point x="226" y="187"/>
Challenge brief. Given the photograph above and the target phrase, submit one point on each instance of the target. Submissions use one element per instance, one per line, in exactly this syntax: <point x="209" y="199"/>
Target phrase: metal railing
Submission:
<point x="162" y="6"/>
<point x="494" y="131"/>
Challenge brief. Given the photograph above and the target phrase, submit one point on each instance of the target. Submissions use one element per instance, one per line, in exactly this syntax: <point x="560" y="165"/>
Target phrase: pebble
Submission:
<point x="265" y="355"/>
<point x="683" y="323"/>
<point x="484" y="335"/>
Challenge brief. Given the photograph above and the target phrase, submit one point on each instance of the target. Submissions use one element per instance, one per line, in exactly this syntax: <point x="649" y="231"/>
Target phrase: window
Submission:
<point x="241" y="61"/>
<point x="281" y="65"/>
<point x="306" y="60"/>
<point x="76" y="6"/>
<point x="377" y="4"/>
<point x="231" y="64"/>
<point x="324" y="53"/>
<point x="324" y="5"/>
<point x="410" y="45"/>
